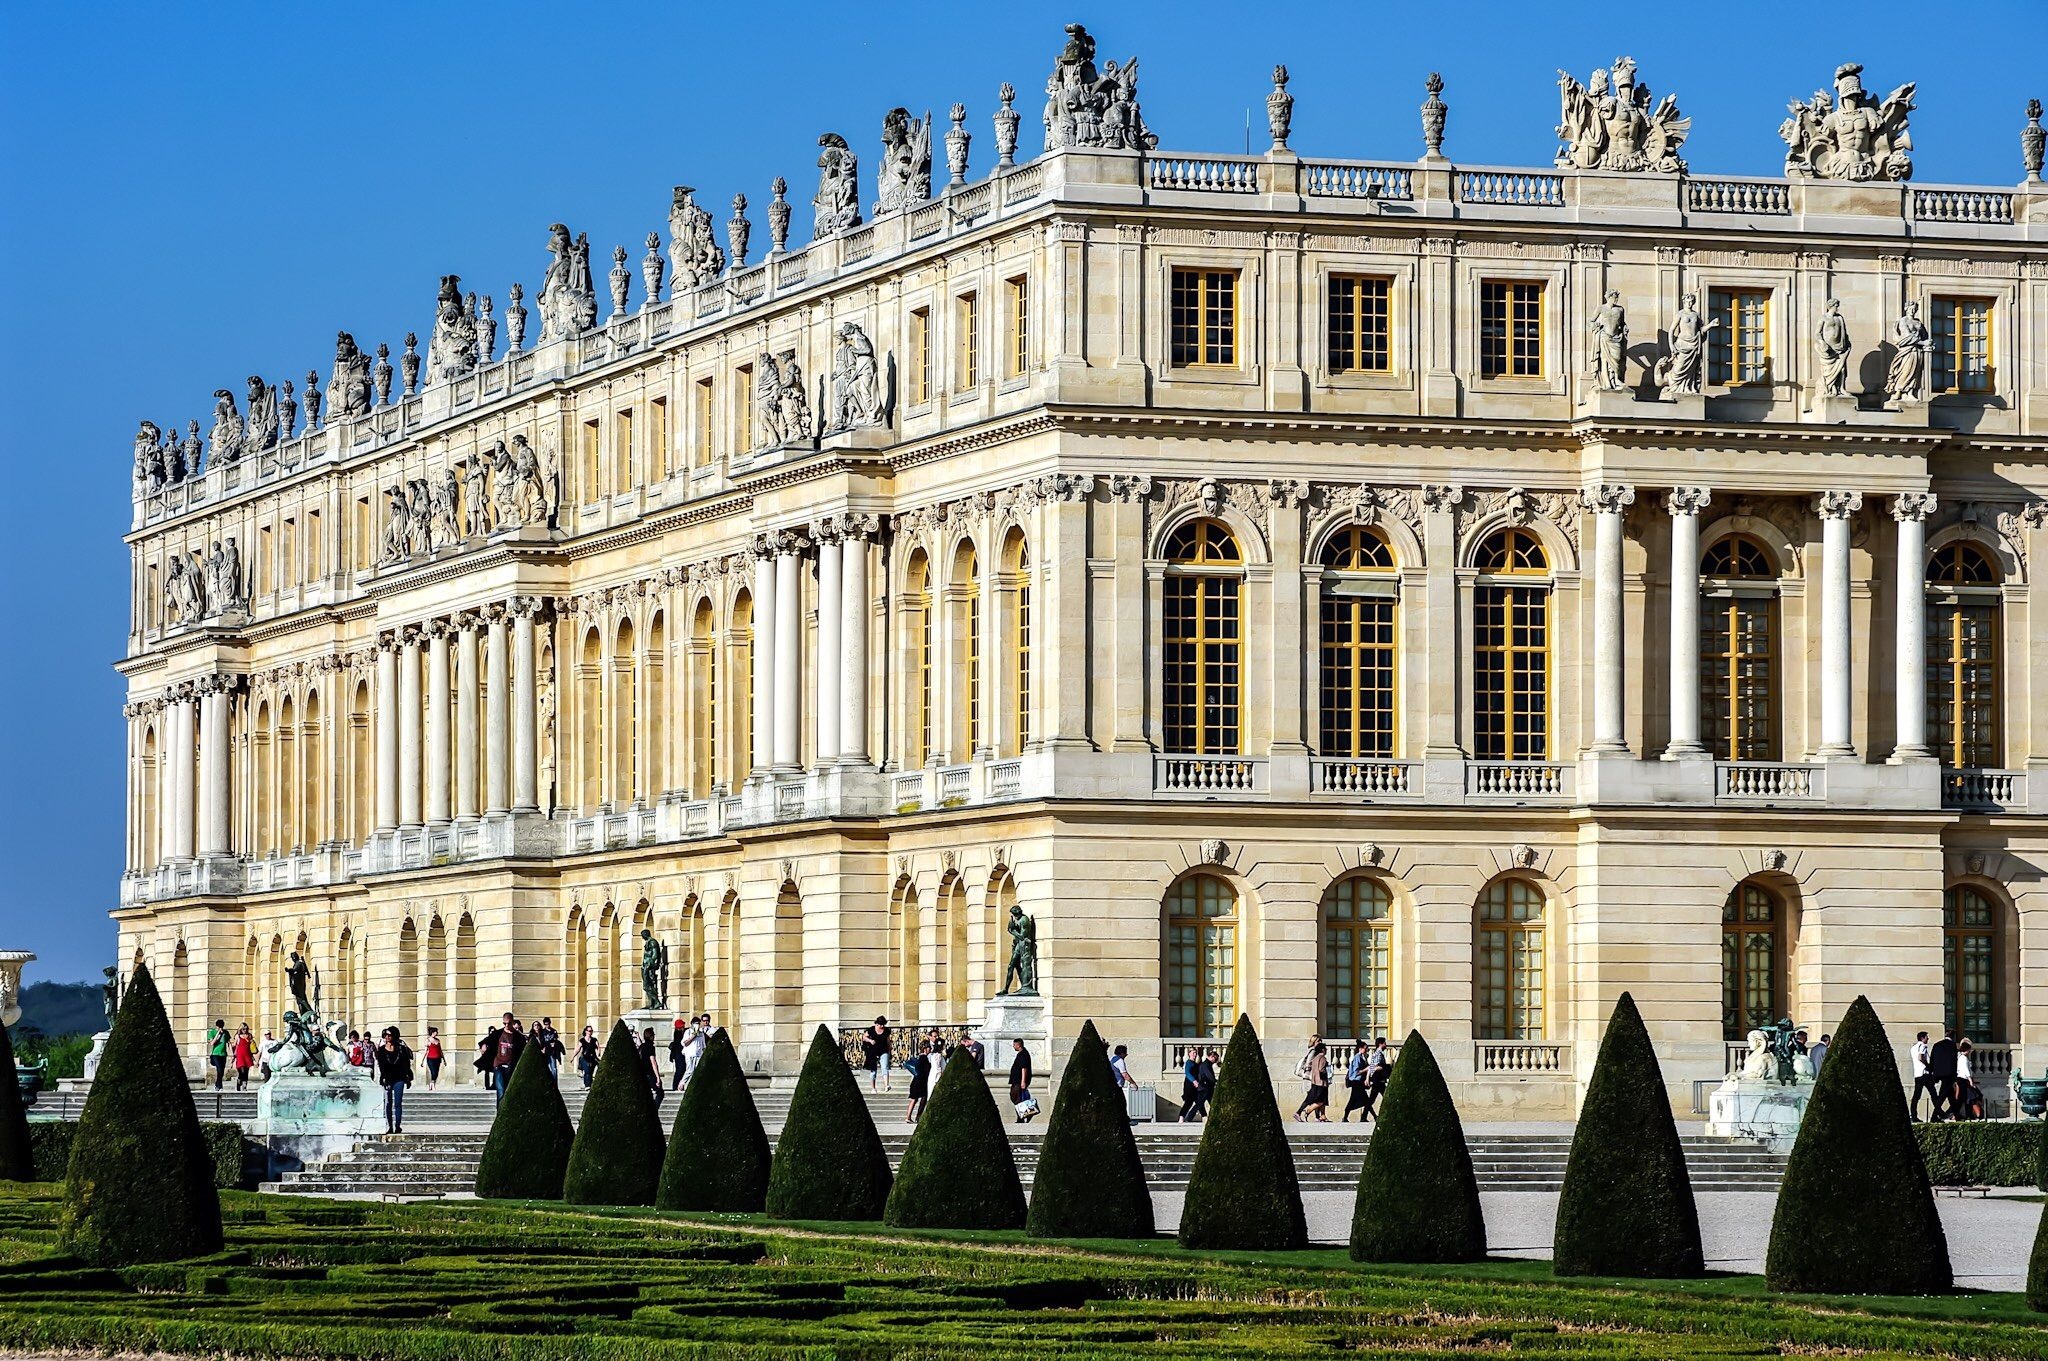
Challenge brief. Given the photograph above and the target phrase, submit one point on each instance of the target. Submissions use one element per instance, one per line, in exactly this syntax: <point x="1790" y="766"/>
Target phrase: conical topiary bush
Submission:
<point x="1090" y="1182"/>
<point x="958" y="1172"/>
<point x="2037" y="1266"/>
<point x="1626" y="1208"/>
<point x="829" y="1162"/>
<point x="1242" y="1192"/>
<point x="717" y="1151"/>
<point x="140" y="1183"/>
<point x="527" y="1154"/>
<point x="17" y="1163"/>
<point x="2041" y="1158"/>
<point x="1418" y="1200"/>
<point x="1855" y="1212"/>
<point x="616" y="1159"/>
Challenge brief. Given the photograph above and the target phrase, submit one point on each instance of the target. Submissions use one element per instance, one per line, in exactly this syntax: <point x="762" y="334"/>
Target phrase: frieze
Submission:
<point x="1742" y="259"/>
<point x="1514" y="250"/>
<point x="1520" y="506"/>
<point x="1362" y="504"/>
<point x="1202" y="236"/>
<point x="1369" y="245"/>
<point x="1212" y="496"/>
<point x="1978" y="269"/>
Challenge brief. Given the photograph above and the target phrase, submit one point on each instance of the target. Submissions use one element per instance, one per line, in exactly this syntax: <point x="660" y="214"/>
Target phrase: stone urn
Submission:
<point x="11" y="962"/>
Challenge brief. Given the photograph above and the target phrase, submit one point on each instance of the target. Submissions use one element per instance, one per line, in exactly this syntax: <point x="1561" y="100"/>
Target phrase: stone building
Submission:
<point x="1362" y="595"/>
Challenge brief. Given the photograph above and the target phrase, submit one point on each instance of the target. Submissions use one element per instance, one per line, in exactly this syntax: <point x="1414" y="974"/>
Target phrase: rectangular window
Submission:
<point x="1962" y="345"/>
<point x="1358" y="654"/>
<point x="658" y="438"/>
<point x="701" y="448"/>
<point x="622" y="453"/>
<point x="316" y="547"/>
<point x="743" y="414"/>
<point x="1510" y="328"/>
<point x="966" y="342"/>
<point x="920" y="356"/>
<point x="1511" y="680"/>
<point x="1360" y="325"/>
<point x="1203" y="318"/>
<point x="1738" y="692"/>
<point x="1200" y="665"/>
<point x="365" y="535"/>
<point x="152" y="596"/>
<point x="593" y="462"/>
<point x="1739" y="342"/>
<point x="1017" y="354"/>
<point x="288" y="555"/>
<point x="266" y="562"/>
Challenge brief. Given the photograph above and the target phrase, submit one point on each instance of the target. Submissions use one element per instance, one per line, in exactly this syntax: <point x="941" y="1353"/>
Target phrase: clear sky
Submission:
<point x="191" y="194"/>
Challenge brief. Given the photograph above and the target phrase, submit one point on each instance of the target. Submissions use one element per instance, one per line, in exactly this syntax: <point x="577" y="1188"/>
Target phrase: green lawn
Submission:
<point x="304" y="1279"/>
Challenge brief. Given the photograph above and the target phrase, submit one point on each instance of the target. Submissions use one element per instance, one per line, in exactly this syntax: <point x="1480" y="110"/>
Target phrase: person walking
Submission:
<point x="694" y="1043"/>
<point x="500" y="1053"/>
<point x="263" y="1059"/>
<point x="1191" y="1085"/>
<point x="1354" y="1083"/>
<point x="434" y="1056"/>
<point x="1379" y="1066"/>
<point x="1206" y="1074"/>
<point x="1941" y="1070"/>
<point x="1315" y="1071"/>
<point x="1819" y="1053"/>
<point x="678" y="1047"/>
<point x="1969" y="1097"/>
<point x="245" y="1055"/>
<point x="874" y="1051"/>
<point x="394" y="1073"/>
<point x="217" y="1043"/>
<point x="586" y="1054"/>
<point x="1020" y="1083"/>
<point x="551" y="1046"/>
<point x="919" y="1066"/>
<point x="650" y="1062"/>
<point x="1923" y="1081"/>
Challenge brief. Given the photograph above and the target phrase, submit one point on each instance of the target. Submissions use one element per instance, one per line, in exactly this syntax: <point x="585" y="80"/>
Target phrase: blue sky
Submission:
<point x="192" y="194"/>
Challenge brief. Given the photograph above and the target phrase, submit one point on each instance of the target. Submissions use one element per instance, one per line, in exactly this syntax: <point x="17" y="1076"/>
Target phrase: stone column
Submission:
<point x="1440" y="505"/>
<point x="1685" y="505"/>
<point x="994" y="680"/>
<point x="438" y="744"/>
<point x="216" y="835"/>
<point x="181" y="752"/>
<point x="497" y="663"/>
<point x="1836" y="509"/>
<point x="1063" y="619"/>
<point x="409" y="729"/>
<point x="853" y="637"/>
<point x="387" y="734"/>
<point x="764" y="653"/>
<point x="525" y="716"/>
<point x="468" y="674"/>
<point x="831" y="604"/>
<point x="788" y="643"/>
<point x="1607" y="501"/>
<point x="1911" y="510"/>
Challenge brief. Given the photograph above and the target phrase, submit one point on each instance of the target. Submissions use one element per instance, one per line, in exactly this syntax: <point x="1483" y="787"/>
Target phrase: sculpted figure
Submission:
<point x="1761" y="1065"/>
<point x="856" y="381"/>
<point x="192" y="593"/>
<point x="216" y="577"/>
<point x="226" y="439"/>
<point x="447" y="525"/>
<point x="419" y="516"/>
<point x="505" y="486"/>
<point x="767" y="402"/>
<point x="1850" y="136"/>
<point x="905" y="176"/>
<point x="1023" y="970"/>
<point x="452" y="351"/>
<point x="348" y="391"/>
<point x="1682" y="373"/>
<point x="536" y="503"/>
<point x="1610" y="344"/>
<point x="793" y="402"/>
<point x="653" y="971"/>
<point x="837" y="206"/>
<point x="173" y="452"/>
<point x="1906" y="381"/>
<point x="175" y="608"/>
<point x="149" y="460"/>
<point x="397" y="525"/>
<point x="1832" y="343"/>
<point x="692" y="250"/>
<point x="476" y="497"/>
<point x="1609" y="123"/>
<point x="545" y="723"/>
<point x="262" y="436"/>
<point x="1086" y="107"/>
<point x="568" y="298"/>
<point x="231" y="594"/>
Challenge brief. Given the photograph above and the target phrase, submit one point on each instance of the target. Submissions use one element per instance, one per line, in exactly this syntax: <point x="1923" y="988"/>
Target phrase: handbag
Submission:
<point x="1027" y="1107"/>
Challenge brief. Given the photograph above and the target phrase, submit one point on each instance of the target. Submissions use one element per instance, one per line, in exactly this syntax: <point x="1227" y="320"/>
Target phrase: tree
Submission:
<point x="1856" y="1212"/>
<point x="1242" y="1192"/>
<point x="17" y="1160"/>
<point x="958" y="1172"/>
<point x="139" y="1187"/>
<point x="1090" y="1182"/>
<point x="717" y="1151"/>
<point x="1626" y="1208"/>
<point x="616" y="1159"/>
<point x="1418" y="1200"/>
<point x="2037" y="1263"/>
<point x="829" y="1162"/>
<point x="527" y="1153"/>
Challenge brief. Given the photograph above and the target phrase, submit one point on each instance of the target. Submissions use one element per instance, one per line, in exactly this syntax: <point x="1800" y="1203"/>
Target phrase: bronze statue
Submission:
<point x="1023" y="956"/>
<point x="653" y="970"/>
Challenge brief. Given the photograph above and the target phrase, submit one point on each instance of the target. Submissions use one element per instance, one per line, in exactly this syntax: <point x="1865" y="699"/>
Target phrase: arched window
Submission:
<point x="1017" y="569"/>
<point x="362" y="768"/>
<point x="312" y="782"/>
<point x="590" y="706"/>
<point x="1963" y="692"/>
<point x="1360" y="596"/>
<point x="739" y="704"/>
<point x="1358" y="959"/>
<point x="654" y="780"/>
<point x="1510" y="966"/>
<point x="695" y="978"/>
<point x="950" y="944"/>
<point x="1970" y="964"/>
<point x="1200" y="646"/>
<point x="903" y="952"/>
<point x="1201" y="957"/>
<point x="729" y="942"/>
<point x="285" y="809"/>
<point x="263" y="841"/>
<point x="148" y="813"/>
<point x="1511" y="650"/>
<point x="1738" y="651"/>
<point x="917" y="630"/>
<point x="576" y="969"/>
<point x="966" y="737"/>
<point x="1752" y="961"/>
<point x="624" y="782"/>
<point x="704" y="740"/>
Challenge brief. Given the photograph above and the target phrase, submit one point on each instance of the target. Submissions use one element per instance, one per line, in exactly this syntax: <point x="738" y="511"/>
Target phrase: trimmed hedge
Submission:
<point x="139" y="1185"/>
<point x="226" y="1147"/>
<point x="17" y="1160"/>
<point x="829" y="1163"/>
<point x="1242" y="1192"/>
<point x="717" y="1152"/>
<point x="1855" y="1212"/>
<point x="1090" y="1182"/>
<point x="1626" y="1207"/>
<point x="958" y="1172"/>
<point x="526" y="1156"/>
<point x="1982" y="1152"/>
<point x="616" y="1158"/>
<point x="1418" y="1198"/>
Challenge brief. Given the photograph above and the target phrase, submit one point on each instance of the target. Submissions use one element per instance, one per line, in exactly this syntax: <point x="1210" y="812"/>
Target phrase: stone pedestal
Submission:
<point x="301" y="1118"/>
<point x="92" y="1056"/>
<point x="1600" y="402"/>
<point x="1843" y="410"/>
<point x="1012" y="1016"/>
<point x="661" y="1020"/>
<point x="1767" y="1111"/>
<point x="11" y="963"/>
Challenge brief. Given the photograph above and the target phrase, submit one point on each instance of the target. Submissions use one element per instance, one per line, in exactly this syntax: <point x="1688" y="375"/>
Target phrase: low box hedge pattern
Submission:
<point x="50" y="1141"/>
<point x="1983" y="1152"/>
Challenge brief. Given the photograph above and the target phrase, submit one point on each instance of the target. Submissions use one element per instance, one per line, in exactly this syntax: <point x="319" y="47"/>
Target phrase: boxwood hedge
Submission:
<point x="1983" y="1152"/>
<point x="228" y="1148"/>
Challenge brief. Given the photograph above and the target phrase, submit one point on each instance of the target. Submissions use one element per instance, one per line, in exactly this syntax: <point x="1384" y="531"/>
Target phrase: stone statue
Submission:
<point x="381" y="375"/>
<point x="856" y="381"/>
<point x="1850" y="136"/>
<point x="536" y="504"/>
<point x="447" y="526"/>
<point x="313" y="399"/>
<point x="1610" y="344"/>
<point x="905" y="175"/>
<point x="1760" y="1065"/>
<point x="692" y="251"/>
<point x="287" y="412"/>
<point x="452" y="351"/>
<point x="397" y="525"/>
<point x="653" y="971"/>
<point x="1682" y="373"/>
<point x="110" y="993"/>
<point x="544" y="723"/>
<point x="767" y="403"/>
<point x="216" y="577"/>
<point x="348" y="391"/>
<point x="149" y="459"/>
<point x="419" y="516"/>
<point x="185" y="588"/>
<point x="262" y="425"/>
<point x="234" y="593"/>
<point x="1609" y="124"/>
<point x="486" y="330"/>
<point x="1084" y="107"/>
<point x="1023" y="968"/>
<point x="794" y="402"/>
<point x="505" y="486"/>
<point x="778" y="215"/>
<point x="568" y="298"/>
<point x="1906" y="380"/>
<point x="177" y="467"/>
<point x="476" y="497"/>
<point x="225" y="442"/>
<point x="515" y="321"/>
<point x="837" y="205"/>
<point x="1006" y="119"/>
<point x="738" y="231"/>
<point x="1279" y="110"/>
<point x="1832" y="343"/>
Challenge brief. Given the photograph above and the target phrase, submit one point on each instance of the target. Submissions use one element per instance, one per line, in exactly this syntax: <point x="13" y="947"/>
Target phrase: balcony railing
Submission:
<point x="1514" y="188"/>
<point x="1213" y="174"/>
<point x="1769" y="781"/>
<point x="1988" y="790"/>
<point x="1365" y="778"/>
<point x="1209" y="775"/>
<point x="1520" y="1058"/>
<point x="1518" y="779"/>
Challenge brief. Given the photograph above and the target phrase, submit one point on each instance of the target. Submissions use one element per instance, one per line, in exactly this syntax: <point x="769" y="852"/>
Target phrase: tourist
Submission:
<point x="1379" y="1066"/>
<point x="434" y="1057"/>
<point x="550" y="1041"/>
<point x="974" y="1051"/>
<point x="1120" y="1067"/>
<point x="693" y="1045"/>
<point x="1354" y="1084"/>
<point x="1020" y="1083"/>
<point x="1941" y="1071"/>
<point x="651" y="1063"/>
<point x="217" y="1043"/>
<point x="874" y="1053"/>
<point x="245" y="1055"/>
<point x="394" y="1074"/>
<point x="1923" y="1081"/>
<point x="1315" y="1071"/>
<point x="1191" y="1085"/>
<point x="1819" y="1053"/>
<point x="586" y="1054"/>
<point x="263" y="1063"/>
<point x="499" y="1053"/>
<point x="1968" y="1102"/>
<point x="678" y="1047"/>
<point x="358" y="1050"/>
<point x="919" y="1067"/>
<point x="1206" y="1074"/>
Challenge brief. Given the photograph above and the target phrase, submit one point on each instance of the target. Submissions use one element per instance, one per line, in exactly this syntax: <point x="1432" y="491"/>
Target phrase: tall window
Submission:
<point x="1017" y="354"/>
<point x="1963" y="699"/>
<point x="1204" y="318"/>
<point x="740" y="687"/>
<point x="658" y="437"/>
<point x="1201" y="957"/>
<point x="1962" y="345"/>
<point x="966" y="341"/>
<point x="701" y="447"/>
<point x="593" y="461"/>
<point x="966" y="617"/>
<point x="1358" y="959"/>
<point x="743" y="408"/>
<point x="1019" y="563"/>
<point x="1752" y="961"/>
<point x="920" y="356"/>
<point x="1200" y="649"/>
<point x="1738" y="647"/>
<point x="1360" y="596"/>
<point x="1511" y="649"/>
<point x="1510" y="329"/>
<point x="704" y="741"/>
<point x="1360" y="324"/>
<point x="1969" y="964"/>
<point x="1739" y="347"/>
<point x="918" y="627"/>
<point x="1510" y="966"/>
<point x="622" y="453"/>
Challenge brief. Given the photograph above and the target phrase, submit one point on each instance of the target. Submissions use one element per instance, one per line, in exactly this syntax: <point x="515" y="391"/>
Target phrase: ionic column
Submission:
<point x="1685" y="505"/>
<point x="1607" y="501"/>
<point x="995" y="698"/>
<point x="764" y="653"/>
<point x="387" y="734"/>
<point x="437" y="723"/>
<point x="1836" y="508"/>
<point x="788" y="644"/>
<point x="831" y="602"/>
<point x="466" y="678"/>
<point x="853" y="639"/>
<point x="1440" y="505"/>
<point x="181" y="753"/>
<point x="524" y="718"/>
<point x="217" y="812"/>
<point x="1911" y="510"/>
<point x="497" y="791"/>
<point x="409" y="728"/>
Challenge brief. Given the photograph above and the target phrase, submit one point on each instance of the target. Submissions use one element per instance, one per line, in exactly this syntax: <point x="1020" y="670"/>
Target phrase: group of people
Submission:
<point x="1365" y="1078"/>
<point x="1944" y="1072"/>
<point x="686" y="1045"/>
<point x="928" y="1057"/>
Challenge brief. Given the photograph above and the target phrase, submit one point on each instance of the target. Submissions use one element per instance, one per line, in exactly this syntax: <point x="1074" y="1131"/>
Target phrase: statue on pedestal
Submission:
<point x="262" y="425"/>
<point x="1849" y="136"/>
<point x="856" y="381"/>
<point x="149" y="459"/>
<point x="1906" y="380"/>
<point x="905" y="175"/>
<point x="1084" y="107"/>
<point x="653" y="971"/>
<point x="568" y="298"/>
<point x="1610" y="344"/>
<point x="1832" y="343"/>
<point x="1023" y="968"/>
<point x="227" y="436"/>
<point x="1608" y="124"/>
<point x="348" y="391"/>
<point x="693" y="252"/>
<point x="452" y="351"/>
<point x="837" y="205"/>
<point x="1682" y="373"/>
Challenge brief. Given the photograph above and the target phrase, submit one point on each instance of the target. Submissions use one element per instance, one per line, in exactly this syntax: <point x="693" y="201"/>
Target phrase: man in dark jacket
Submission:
<point x="1020" y="1080"/>
<point x="394" y="1073"/>
<point x="1941" y="1067"/>
<point x="500" y="1052"/>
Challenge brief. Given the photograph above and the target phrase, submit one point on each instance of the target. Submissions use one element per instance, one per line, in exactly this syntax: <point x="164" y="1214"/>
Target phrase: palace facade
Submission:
<point x="1361" y="595"/>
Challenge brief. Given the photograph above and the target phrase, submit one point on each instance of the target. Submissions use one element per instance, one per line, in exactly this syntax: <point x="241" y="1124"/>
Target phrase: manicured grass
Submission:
<point x="510" y="1281"/>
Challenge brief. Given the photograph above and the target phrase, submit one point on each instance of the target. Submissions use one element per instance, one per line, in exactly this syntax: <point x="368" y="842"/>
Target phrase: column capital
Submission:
<point x="827" y="531"/>
<point x="527" y="606"/>
<point x="762" y="547"/>
<point x="859" y="527"/>
<point x="1913" y="505"/>
<point x="1608" y="498"/>
<point x="219" y="683"/>
<point x="788" y="543"/>
<point x="1442" y="498"/>
<point x="469" y="621"/>
<point x="438" y="629"/>
<point x="1687" y="500"/>
<point x="388" y="641"/>
<point x="496" y="612"/>
<point x="1838" y="505"/>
